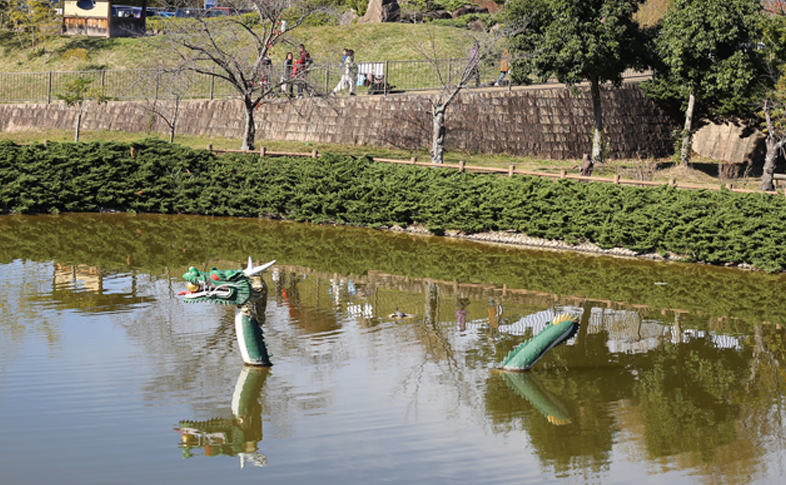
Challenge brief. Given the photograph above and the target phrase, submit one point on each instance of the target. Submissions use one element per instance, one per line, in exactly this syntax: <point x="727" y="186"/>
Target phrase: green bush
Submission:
<point x="716" y="227"/>
<point x="463" y="21"/>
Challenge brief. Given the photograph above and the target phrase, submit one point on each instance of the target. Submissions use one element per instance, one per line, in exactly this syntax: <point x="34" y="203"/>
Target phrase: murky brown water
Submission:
<point x="107" y="377"/>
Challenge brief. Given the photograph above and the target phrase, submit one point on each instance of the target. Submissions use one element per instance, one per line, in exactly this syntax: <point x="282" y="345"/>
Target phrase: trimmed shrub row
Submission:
<point x="153" y="176"/>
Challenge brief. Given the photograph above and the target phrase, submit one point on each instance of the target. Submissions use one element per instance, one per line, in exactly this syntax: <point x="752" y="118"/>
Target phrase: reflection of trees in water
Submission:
<point x="438" y="361"/>
<point x="685" y="400"/>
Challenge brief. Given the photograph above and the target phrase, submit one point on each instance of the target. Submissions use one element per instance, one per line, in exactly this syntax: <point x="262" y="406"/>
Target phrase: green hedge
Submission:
<point x="153" y="176"/>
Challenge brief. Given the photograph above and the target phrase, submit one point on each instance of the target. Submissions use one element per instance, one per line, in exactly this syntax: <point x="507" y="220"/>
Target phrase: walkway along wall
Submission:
<point x="552" y="123"/>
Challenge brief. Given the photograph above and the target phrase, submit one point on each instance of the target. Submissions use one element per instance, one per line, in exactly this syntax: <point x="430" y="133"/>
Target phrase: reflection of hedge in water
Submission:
<point x="152" y="243"/>
<point x="152" y="176"/>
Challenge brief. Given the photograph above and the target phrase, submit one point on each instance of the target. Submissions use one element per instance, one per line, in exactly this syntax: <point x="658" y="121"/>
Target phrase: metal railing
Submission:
<point x="140" y="84"/>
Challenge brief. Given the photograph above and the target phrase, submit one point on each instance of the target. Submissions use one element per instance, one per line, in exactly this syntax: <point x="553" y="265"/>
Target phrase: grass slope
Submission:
<point x="371" y="42"/>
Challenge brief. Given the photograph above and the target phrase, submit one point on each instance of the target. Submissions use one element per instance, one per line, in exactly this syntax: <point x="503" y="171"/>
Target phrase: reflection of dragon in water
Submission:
<point x="244" y="288"/>
<point x="238" y="436"/>
<point x="525" y="355"/>
<point x="526" y="386"/>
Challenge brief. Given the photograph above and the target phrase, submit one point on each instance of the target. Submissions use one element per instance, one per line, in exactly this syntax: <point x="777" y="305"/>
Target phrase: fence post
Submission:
<point x="158" y="73"/>
<point x="327" y="78"/>
<point x="49" y="89"/>
<point x="617" y="178"/>
<point x="387" y="77"/>
<point x="413" y="160"/>
<point x="511" y="168"/>
<point x="212" y="85"/>
<point x="461" y="165"/>
<point x="673" y="182"/>
<point x="103" y="78"/>
<point x="262" y="151"/>
<point x="563" y="173"/>
<point x="314" y="153"/>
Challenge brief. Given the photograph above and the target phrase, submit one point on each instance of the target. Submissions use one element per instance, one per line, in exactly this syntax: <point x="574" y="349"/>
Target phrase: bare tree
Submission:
<point x="165" y="90"/>
<point x="453" y="77"/>
<point x="235" y="50"/>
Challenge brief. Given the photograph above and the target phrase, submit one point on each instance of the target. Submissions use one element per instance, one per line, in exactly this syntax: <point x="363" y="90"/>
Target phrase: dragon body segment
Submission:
<point x="248" y="291"/>
<point x="525" y="355"/>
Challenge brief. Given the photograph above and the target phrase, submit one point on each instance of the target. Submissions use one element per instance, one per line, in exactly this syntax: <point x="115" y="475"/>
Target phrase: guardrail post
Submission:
<point x="511" y="168"/>
<point x="49" y="89"/>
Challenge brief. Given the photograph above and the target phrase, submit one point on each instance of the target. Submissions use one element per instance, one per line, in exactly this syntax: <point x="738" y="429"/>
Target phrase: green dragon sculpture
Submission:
<point x="526" y="354"/>
<point x="248" y="291"/>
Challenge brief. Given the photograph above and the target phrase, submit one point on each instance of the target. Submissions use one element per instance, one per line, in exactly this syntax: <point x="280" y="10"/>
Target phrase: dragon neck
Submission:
<point x="249" y="319"/>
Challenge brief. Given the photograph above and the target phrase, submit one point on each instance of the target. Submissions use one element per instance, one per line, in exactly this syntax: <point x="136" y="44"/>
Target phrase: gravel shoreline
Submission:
<point x="516" y="239"/>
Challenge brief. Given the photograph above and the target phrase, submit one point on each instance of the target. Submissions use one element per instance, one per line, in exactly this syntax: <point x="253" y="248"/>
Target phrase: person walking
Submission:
<point x="504" y="67"/>
<point x="301" y="69"/>
<point x="286" y="78"/>
<point x="349" y="73"/>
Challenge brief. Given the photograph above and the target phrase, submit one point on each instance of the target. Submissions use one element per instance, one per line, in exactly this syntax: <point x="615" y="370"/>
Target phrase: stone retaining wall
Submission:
<point x="553" y="123"/>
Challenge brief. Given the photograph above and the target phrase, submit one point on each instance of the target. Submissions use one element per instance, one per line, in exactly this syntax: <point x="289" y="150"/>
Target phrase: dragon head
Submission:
<point x="228" y="287"/>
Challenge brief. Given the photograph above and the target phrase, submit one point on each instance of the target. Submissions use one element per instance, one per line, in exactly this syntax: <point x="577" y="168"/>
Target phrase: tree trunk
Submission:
<point x="597" y="112"/>
<point x="250" y="132"/>
<point x="174" y="122"/>
<point x="685" y="148"/>
<point x="769" y="163"/>
<point x="772" y="152"/>
<point x="78" y="125"/>
<point x="438" y="135"/>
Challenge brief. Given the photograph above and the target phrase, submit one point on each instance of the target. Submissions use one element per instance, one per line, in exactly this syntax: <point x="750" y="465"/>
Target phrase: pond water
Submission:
<point x="107" y="377"/>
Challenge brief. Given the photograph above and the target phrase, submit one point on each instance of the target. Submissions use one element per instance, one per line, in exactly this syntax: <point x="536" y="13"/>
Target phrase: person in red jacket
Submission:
<point x="300" y="71"/>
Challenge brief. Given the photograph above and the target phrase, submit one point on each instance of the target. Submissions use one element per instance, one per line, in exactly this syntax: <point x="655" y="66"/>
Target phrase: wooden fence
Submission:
<point x="511" y="170"/>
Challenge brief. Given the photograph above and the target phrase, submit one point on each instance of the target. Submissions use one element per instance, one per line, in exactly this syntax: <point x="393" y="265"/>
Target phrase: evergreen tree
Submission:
<point x="708" y="55"/>
<point x="576" y="41"/>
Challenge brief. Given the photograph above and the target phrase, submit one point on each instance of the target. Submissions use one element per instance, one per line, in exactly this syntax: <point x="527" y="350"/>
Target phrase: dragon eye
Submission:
<point x="214" y="277"/>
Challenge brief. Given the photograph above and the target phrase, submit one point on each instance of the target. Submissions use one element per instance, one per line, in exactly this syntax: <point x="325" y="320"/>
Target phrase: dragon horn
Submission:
<point x="252" y="270"/>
